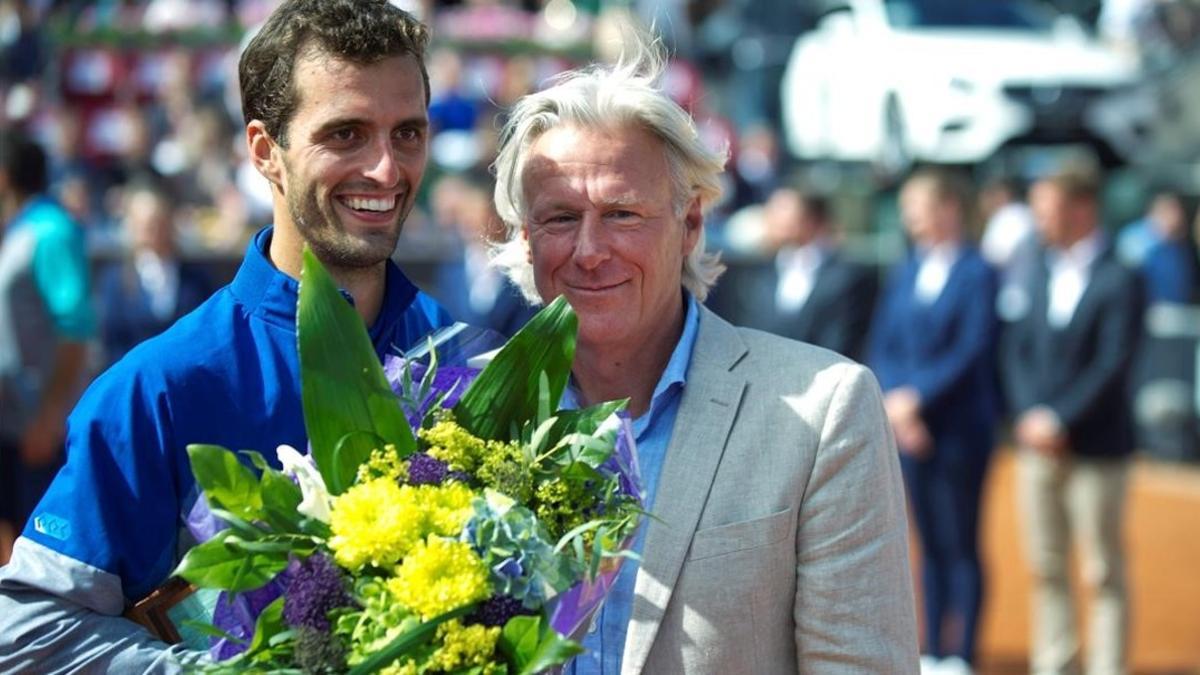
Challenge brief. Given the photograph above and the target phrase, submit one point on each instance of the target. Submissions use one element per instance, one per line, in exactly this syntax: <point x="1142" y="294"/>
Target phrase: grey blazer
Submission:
<point x="782" y="545"/>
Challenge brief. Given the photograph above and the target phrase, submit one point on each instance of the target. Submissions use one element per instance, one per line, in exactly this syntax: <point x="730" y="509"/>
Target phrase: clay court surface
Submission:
<point x="1163" y="535"/>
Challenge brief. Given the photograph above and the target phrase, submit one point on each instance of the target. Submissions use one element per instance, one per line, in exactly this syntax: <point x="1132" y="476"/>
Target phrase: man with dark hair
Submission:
<point x="336" y="96"/>
<point x="809" y="291"/>
<point x="46" y="319"/>
<point x="1066" y="368"/>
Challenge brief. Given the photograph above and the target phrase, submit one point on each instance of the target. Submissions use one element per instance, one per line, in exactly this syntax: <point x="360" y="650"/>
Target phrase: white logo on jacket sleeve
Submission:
<point x="52" y="526"/>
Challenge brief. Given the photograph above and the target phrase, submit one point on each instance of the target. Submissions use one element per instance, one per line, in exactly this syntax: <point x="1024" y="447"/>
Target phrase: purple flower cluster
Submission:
<point x="451" y="380"/>
<point x="315" y="588"/>
<point x="425" y="470"/>
<point x="496" y="611"/>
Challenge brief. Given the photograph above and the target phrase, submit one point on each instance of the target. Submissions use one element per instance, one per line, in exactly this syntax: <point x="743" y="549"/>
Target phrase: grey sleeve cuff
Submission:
<point x="60" y="615"/>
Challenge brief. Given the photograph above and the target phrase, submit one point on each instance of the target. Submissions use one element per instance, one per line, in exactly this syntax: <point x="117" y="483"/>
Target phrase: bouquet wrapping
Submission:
<point x="446" y="518"/>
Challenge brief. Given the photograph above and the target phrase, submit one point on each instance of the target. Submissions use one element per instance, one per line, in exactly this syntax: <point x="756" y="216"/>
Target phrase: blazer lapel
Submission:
<point x="807" y="313"/>
<point x="711" y="397"/>
<point x="1083" y="308"/>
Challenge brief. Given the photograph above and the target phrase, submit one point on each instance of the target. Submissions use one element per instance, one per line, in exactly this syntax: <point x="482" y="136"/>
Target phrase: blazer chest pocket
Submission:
<point x="747" y="534"/>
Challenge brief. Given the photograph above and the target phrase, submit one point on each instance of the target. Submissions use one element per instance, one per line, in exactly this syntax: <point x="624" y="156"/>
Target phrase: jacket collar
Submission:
<point x="272" y="295"/>
<point x="707" y="410"/>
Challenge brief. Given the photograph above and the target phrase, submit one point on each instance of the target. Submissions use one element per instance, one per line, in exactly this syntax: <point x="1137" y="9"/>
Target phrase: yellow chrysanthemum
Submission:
<point x="447" y="507"/>
<point x="379" y="521"/>
<point x="453" y="445"/>
<point x="375" y="523"/>
<point x="464" y="646"/>
<point x="439" y="575"/>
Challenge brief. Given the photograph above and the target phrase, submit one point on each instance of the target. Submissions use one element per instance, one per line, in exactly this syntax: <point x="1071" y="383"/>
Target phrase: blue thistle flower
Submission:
<point x="425" y="470"/>
<point x="496" y="611"/>
<point x="315" y="588"/>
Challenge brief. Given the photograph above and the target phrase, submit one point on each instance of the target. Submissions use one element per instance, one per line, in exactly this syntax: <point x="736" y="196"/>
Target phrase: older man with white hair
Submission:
<point x="779" y="538"/>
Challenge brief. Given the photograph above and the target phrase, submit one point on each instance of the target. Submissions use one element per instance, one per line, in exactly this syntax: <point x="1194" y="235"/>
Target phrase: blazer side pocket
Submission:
<point x="747" y="534"/>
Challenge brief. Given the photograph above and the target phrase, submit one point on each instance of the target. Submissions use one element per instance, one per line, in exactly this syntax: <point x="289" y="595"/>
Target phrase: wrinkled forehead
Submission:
<point x="607" y="155"/>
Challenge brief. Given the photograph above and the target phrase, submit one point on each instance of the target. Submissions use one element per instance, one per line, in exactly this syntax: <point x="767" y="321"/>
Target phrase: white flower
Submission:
<point x="316" y="500"/>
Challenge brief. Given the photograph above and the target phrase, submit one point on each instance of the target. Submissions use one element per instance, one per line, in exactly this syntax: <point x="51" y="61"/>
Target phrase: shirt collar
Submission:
<point x="676" y="371"/>
<point x="1081" y="254"/>
<point x="808" y="257"/>
<point x="944" y="253"/>
<point x="271" y="294"/>
<point x="673" y="376"/>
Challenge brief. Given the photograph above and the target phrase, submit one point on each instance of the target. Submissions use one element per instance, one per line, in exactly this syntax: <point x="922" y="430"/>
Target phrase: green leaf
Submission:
<point x="226" y="482"/>
<point x="350" y="452"/>
<point x="256" y="459"/>
<point x="209" y="630"/>
<point x="269" y="623"/>
<point x="532" y="646"/>
<point x="506" y="393"/>
<point x="224" y="565"/>
<point x="236" y="523"/>
<point x="280" y="498"/>
<point x="406" y="641"/>
<point x="589" y="436"/>
<point x="344" y="389"/>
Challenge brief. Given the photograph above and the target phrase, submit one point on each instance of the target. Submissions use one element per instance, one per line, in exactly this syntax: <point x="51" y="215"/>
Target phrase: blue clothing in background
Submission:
<point x="58" y="264"/>
<point x="45" y="301"/>
<point x="127" y="315"/>
<point x="1170" y="272"/>
<point x="945" y="350"/>
<point x="226" y="374"/>
<point x="452" y="111"/>
<point x="652" y="431"/>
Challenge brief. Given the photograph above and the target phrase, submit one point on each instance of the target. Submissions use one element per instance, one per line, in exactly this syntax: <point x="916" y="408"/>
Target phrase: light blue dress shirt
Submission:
<point x="605" y="640"/>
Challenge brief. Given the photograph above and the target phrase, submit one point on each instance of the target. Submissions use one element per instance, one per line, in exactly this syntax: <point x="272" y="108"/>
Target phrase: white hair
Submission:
<point x="598" y="97"/>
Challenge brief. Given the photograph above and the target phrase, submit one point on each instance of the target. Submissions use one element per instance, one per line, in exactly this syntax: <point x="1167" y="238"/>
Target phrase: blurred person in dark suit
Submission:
<point x="146" y="292"/>
<point x="469" y="287"/>
<point x="1066" y="366"/>
<point x="809" y="290"/>
<point x="932" y="347"/>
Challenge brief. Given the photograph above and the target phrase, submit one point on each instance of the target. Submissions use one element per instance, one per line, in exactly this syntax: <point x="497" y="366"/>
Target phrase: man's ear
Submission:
<point x="528" y="248"/>
<point x="264" y="153"/>
<point x="693" y="225"/>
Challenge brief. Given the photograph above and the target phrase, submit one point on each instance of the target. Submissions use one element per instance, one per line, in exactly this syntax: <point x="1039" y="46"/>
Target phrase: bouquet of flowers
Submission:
<point x="446" y="519"/>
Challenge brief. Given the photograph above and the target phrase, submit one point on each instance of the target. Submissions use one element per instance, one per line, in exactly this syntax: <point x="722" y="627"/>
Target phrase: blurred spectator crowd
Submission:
<point x="136" y="105"/>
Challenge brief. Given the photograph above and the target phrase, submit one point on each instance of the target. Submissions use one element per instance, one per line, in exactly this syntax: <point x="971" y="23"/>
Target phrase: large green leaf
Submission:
<point x="226" y="482"/>
<point x="346" y="396"/>
<point x="505" y="394"/>
<point x="532" y="646"/>
<point x="220" y="563"/>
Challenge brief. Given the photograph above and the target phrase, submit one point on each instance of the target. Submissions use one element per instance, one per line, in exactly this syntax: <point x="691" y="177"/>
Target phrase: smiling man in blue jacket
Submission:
<point x="334" y="95"/>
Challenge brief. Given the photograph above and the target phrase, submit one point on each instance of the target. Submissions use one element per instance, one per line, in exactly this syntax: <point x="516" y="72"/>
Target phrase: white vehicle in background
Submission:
<point x="949" y="81"/>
